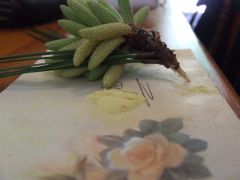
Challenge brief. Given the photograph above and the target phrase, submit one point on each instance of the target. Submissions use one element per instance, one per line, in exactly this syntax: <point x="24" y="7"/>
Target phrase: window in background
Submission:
<point x="190" y="10"/>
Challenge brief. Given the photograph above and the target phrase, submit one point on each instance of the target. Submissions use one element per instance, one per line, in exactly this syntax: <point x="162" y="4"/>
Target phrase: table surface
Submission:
<point x="174" y="29"/>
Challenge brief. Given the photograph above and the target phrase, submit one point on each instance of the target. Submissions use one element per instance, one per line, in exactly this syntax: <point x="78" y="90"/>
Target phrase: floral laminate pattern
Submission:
<point x="157" y="151"/>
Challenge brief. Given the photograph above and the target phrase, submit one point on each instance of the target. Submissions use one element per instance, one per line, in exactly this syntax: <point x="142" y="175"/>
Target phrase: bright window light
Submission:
<point x="189" y="6"/>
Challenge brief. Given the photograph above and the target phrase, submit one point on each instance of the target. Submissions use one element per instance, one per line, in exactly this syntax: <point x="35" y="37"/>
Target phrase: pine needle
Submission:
<point x="12" y="57"/>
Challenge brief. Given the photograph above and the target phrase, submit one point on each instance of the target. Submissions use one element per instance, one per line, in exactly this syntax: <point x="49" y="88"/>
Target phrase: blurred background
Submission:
<point x="215" y="22"/>
<point x="217" y="25"/>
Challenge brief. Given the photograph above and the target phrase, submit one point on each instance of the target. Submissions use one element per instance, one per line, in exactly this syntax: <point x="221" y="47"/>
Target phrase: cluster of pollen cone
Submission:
<point x="97" y="31"/>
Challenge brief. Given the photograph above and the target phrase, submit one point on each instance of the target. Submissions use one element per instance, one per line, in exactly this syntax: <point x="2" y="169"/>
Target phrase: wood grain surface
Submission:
<point x="17" y="41"/>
